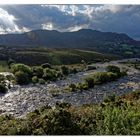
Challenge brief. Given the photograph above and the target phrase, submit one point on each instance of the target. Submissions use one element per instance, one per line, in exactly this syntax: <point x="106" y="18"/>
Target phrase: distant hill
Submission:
<point x="108" y="42"/>
<point x="81" y="38"/>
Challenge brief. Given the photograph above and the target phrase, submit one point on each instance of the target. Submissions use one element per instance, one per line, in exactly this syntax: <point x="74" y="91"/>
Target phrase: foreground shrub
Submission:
<point x="100" y="77"/>
<point x="72" y="87"/>
<point x="82" y="86"/>
<point x="10" y="77"/>
<point x="10" y="62"/>
<point x="22" y="78"/>
<point x="46" y="65"/>
<point x="115" y="116"/>
<point x="21" y="67"/>
<point x="2" y="78"/>
<point x="112" y="76"/>
<point x="114" y="69"/>
<point x="41" y="81"/>
<point x="50" y="74"/>
<point x="64" y="70"/>
<point x="89" y="81"/>
<point x="34" y="79"/>
<point x="37" y="71"/>
<point x="3" y="88"/>
<point x="73" y="70"/>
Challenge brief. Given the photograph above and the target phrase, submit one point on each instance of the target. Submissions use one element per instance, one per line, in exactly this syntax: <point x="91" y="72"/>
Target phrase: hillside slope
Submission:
<point x="106" y="42"/>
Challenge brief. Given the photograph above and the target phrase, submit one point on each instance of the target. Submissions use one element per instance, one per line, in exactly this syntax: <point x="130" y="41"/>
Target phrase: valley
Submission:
<point x="21" y="100"/>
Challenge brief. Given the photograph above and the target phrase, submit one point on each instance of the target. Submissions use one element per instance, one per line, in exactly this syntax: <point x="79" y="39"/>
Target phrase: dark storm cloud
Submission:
<point x="115" y="18"/>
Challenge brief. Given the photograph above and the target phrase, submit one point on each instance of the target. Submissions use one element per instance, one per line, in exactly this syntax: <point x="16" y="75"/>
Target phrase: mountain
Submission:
<point x="85" y="38"/>
<point x="63" y="39"/>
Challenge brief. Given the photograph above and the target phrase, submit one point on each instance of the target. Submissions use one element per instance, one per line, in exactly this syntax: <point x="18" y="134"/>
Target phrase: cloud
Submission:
<point x="114" y="18"/>
<point x="7" y="23"/>
<point x="47" y="26"/>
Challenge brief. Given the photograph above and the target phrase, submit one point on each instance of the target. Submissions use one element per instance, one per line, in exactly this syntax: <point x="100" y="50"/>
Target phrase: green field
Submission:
<point x="39" y="55"/>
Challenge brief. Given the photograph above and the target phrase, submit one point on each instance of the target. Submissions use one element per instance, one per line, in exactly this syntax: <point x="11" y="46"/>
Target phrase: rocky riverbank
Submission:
<point x="23" y="99"/>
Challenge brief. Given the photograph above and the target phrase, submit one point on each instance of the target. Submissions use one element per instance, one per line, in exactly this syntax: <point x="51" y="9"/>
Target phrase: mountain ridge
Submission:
<point x="42" y="37"/>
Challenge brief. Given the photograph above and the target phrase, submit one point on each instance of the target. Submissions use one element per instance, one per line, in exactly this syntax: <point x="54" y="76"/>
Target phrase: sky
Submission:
<point x="106" y="18"/>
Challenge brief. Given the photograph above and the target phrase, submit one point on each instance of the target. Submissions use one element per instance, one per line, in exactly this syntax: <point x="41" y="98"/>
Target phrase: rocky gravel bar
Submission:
<point x="21" y="100"/>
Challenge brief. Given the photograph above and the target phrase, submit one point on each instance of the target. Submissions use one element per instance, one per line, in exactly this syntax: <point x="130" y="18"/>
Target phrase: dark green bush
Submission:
<point x="34" y="79"/>
<point x="72" y="87"/>
<point x="100" y="77"/>
<point x="10" y="77"/>
<point x="73" y="70"/>
<point x="82" y="86"/>
<point x="58" y="74"/>
<point x="64" y="70"/>
<point x="123" y="73"/>
<point x="10" y="62"/>
<point x="41" y="81"/>
<point x="37" y="71"/>
<point x="21" y="67"/>
<point x="22" y="78"/>
<point x="2" y="78"/>
<point x="112" y="68"/>
<point x="50" y="74"/>
<point x="46" y="65"/>
<point x="112" y="76"/>
<point x="3" y="88"/>
<point x="89" y="81"/>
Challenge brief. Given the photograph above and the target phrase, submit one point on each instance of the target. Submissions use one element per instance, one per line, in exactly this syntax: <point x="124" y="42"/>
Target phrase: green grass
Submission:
<point x="59" y="56"/>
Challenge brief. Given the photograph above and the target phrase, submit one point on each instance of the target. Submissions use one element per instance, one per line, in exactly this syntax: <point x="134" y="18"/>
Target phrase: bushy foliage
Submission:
<point x="50" y="74"/>
<point x="3" y="88"/>
<point x="72" y="87"/>
<point x="101" y="77"/>
<point x="10" y="62"/>
<point x="10" y="77"/>
<point x="112" y="76"/>
<point x="22" y="78"/>
<point x="73" y="70"/>
<point x="46" y="65"/>
<point x="34" y="79"/>
<point x="115" y="116"/>
<point x="95" y="79"/>
<point x="41" y="81"/>
<point x="82" y="86"/>
<point x="37" y="71"/>
<point x="2" y="78"/>
<point x="89" y="81"/>
<point x="112" y="68"/>
<point x="65" y="70"/>
<point x="21" y="67"/>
